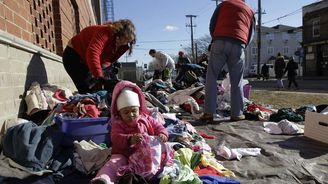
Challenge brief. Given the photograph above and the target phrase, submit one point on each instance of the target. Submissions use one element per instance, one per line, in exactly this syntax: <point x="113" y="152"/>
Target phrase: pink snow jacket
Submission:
<point x="121" y="132"/>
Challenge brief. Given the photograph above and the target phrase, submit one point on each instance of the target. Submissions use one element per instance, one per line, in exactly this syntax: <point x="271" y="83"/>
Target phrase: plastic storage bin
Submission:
<point x="247" y="91"/>
<point x="95" y="129"/>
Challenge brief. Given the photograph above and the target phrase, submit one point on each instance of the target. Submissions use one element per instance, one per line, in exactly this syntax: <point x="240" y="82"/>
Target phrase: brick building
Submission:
<point x="33" y="34"/>
<point x="315" y="39"/>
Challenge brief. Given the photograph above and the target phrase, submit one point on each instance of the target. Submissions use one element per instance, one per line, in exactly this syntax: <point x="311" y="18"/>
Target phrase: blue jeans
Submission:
<point x="232" y="53"/>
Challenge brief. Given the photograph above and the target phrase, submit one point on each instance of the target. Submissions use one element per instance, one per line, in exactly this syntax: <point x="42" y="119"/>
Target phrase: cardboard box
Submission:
<point x="316" y="126"/>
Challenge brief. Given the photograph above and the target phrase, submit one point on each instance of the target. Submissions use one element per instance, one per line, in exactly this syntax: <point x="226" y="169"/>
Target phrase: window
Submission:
<point x="316" y="28"/>
<point x="285" y="36"/>
<point x="254" y="50"/>
<point x="325" y="51"/>
<point x="269" y="36"/>
<point x="285" y="50"/>
<point x="270" y="50"/>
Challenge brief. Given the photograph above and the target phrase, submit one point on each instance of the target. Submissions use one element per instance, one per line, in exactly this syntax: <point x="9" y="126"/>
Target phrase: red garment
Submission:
<point x="253" y="106"/>
<point x="234" y="20"/>
<point x="96" y="46"/>
<point x="91" y="111"/>
<point x="59" y="95"/>
<point x="207" y="171"/>
<point x="204" y="135"/>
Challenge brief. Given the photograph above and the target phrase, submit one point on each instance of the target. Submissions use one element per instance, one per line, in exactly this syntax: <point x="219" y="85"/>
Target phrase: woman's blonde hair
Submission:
<point x="124" y="28"/>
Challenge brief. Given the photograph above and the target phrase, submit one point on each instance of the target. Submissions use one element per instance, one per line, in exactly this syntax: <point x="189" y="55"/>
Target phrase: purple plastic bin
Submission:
<point x="95" y="129"/>
<point x="247" y="91"/>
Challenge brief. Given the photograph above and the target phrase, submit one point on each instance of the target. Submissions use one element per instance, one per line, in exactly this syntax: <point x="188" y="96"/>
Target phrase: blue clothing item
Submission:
<point x="193" y="67"/>
<point x="96" y="97"/>
<point x="175" y="131"/>
<point x="217" y="180"/>
<point x="30" y="145"/>
<point x="232" y="53"/>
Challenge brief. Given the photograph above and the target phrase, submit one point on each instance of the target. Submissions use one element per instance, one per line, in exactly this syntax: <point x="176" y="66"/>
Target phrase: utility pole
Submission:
<point x="259" y="23"/>
<point x="196" y="51"/>
<point x="192" y="35"/>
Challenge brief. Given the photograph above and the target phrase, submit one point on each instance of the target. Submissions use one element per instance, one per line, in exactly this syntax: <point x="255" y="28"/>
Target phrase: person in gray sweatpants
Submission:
<point x="232" y="26"/>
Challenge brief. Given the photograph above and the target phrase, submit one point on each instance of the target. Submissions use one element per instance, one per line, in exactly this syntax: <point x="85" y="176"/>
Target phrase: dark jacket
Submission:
<point x="264" y="69"/>
<point x="291" y="68"/>
<point x="279" y="67"/>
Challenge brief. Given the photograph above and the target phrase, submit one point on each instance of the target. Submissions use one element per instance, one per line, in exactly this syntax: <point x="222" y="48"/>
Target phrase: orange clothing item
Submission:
<point x="207" y="171"/>
<point x="96" y="46"/>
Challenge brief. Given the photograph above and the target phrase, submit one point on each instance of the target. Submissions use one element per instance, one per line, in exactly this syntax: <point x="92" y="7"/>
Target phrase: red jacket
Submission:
<point x="96" y="46"/>
<point x="232" y="19"/>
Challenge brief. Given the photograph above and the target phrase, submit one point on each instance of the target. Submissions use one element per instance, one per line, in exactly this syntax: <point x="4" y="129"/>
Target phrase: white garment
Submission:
<point x="127" y="98"/>
<point x="163" y="61"/>
<point x="183" y="96"/>
<point x="283" y="127"/>
<point x="237" y="153"/>
<point x="35" y="99"/>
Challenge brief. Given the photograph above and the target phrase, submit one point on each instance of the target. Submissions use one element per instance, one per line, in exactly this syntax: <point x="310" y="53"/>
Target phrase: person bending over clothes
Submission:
<point x="195" y="68"/>
<point x="94" y="49"/>
<point x="163" y="65"/>
<point x="130" y="119"/>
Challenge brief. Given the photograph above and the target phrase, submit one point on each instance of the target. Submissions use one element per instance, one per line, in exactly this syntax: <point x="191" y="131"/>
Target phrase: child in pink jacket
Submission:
<point x="130" y="118"/>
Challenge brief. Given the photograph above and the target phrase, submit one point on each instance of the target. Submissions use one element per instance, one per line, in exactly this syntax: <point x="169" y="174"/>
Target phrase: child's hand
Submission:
<point x="163" y="137"/>
<point x="136" y="138"/>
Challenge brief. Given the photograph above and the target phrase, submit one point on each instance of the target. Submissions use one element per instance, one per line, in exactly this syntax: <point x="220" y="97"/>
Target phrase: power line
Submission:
<point x="136" y="48"/>
<point x="155" y="41"/>
<point x="284" y="16"/>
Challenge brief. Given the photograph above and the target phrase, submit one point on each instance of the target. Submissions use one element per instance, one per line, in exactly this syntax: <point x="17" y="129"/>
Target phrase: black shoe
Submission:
<point x="203" y="120"/>
<point x="238" y="118"/>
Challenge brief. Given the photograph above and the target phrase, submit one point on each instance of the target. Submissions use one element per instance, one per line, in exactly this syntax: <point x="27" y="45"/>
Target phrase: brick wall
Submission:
<point x="70" y="17"/>
<point x="31" y="27"/>
<point x="15" y="18"/>
<point x="46" y="23"/>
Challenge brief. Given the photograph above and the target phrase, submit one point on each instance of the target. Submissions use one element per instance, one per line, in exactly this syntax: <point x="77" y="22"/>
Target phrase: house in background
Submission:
<point x="280" y="38"/>
<point x="315" y="39"/>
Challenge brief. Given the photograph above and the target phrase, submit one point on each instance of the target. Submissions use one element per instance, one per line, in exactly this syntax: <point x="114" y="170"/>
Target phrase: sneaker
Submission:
<point x="238" y="118"/>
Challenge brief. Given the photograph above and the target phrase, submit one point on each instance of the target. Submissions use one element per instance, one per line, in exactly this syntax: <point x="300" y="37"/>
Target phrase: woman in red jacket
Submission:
<point x="94" y="48"/>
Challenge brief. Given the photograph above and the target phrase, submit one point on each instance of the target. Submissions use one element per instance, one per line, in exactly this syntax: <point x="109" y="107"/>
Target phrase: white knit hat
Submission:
<point x="127" y="98"/>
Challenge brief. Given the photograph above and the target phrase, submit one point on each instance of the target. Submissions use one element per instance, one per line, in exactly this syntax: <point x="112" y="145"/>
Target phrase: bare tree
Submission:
<point x="202" y="46"/>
